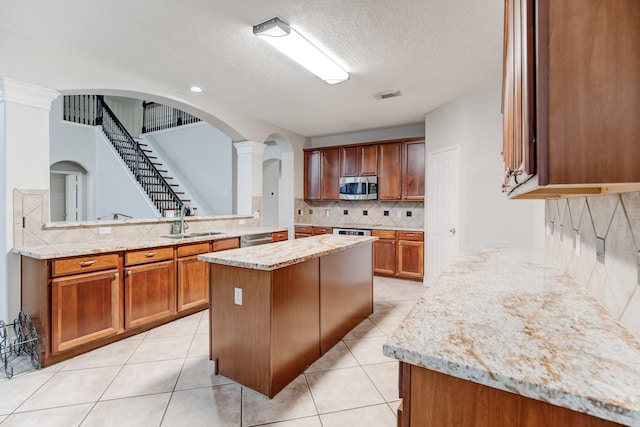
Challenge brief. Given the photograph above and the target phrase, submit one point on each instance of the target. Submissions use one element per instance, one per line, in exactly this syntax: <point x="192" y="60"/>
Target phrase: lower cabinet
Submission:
<point x="303" y="231"/>
<point x="193" y="277"/>
<point x="280" y="236"/>
<point x="149" y="293"/>
<point x="84" y="307"/>
<point x="398" y="254"/>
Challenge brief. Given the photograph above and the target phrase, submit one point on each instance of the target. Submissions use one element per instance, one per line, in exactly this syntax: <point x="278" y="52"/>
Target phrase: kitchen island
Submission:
<point x="277" y="308"/>
<point x="504" y="338"/>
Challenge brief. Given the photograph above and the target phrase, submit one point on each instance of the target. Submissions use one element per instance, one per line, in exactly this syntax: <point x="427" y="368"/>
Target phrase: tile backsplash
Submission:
<point x="607" y="230"/>
<point x="360" y="213"/>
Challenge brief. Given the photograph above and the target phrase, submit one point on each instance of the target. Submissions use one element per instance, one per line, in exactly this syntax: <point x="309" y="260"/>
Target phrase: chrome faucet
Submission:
<point x="183" y="223"/>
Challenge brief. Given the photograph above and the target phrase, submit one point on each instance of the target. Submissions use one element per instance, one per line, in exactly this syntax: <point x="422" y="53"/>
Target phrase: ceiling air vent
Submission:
<point x="387" y="94"/>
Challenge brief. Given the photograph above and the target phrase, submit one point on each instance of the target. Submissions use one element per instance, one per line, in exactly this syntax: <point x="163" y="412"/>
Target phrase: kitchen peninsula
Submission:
<point x="277" y="308"/>
<point x="505" y="338"/>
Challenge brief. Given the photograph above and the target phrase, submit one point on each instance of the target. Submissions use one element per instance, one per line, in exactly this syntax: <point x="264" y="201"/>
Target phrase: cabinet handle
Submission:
<point x="87" y="263"/>
<point x="129" y="273"/>
<point x="151" y="254"/>
<point x="116" y="275"/>
<point x="452" y="231"/>
<point x="410" y="235"/>
<point x="393" y="243"/>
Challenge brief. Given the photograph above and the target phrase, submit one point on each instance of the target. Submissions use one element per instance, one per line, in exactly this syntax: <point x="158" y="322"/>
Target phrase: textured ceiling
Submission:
<point x="431" y="50"/>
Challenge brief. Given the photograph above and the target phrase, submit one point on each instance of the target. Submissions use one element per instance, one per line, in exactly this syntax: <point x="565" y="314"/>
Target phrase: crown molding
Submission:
<point x="26" y="93"/>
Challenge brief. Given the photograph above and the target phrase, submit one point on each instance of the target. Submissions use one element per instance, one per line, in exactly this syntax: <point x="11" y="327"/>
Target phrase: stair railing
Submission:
<point x="145" y="172"/>
<point x="158" y="117"/>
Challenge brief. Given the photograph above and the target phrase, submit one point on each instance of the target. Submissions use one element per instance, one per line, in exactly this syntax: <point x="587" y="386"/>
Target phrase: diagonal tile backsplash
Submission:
<point x="615" y="218"/>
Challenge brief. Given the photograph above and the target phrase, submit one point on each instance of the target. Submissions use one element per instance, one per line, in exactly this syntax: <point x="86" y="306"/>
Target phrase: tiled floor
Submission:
<point x="163" y="378"/>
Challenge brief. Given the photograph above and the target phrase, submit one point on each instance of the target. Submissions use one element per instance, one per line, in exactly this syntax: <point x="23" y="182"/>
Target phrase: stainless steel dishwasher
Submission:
<point x="255" y="240"/>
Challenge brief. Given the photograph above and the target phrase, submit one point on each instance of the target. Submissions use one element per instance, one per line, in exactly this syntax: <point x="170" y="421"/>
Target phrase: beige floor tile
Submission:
<point x="55" y="417"/>
<point x="199" y="372"/>
<point x="177" y="328"/>
<point x="300" y="422"/>
<point x="209" y="406"/>
<point x="167" y="348"/>
<point x="342" y="389"/>
<point x="368" y="351"/>
<point x="71" y="388"/>
<point x="383" y="309"/>
<point x="203" y="326"/>
<point x="144" y="378"/>
<point x="388" y="324"/>
<point x="403" y="307"/>
<point x="385" y="378"/>
<point x="111" y="355"/>
<point x="15" y="391"/>
<point x="199" y="346"/>
<point x="141" y="411"/>
<point x="365" y="329"/>
<point x="294" y="401"/>
<point x="379" y="416"/>
<point x="337" y="357"/>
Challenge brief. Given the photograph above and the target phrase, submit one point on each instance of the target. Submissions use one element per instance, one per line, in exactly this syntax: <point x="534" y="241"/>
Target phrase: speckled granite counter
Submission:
<point x="363" y="226"/>
<point x="282" y="254"/>
<point x="123" y="244"/>
<point x="511" y="320"/>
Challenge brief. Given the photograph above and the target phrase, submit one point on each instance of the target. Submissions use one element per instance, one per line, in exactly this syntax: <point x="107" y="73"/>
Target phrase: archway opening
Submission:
<point x="68" y="194"/>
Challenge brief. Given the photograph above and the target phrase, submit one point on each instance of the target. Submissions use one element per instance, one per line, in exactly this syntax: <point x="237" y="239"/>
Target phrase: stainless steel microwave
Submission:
<point x="359" y="188"/>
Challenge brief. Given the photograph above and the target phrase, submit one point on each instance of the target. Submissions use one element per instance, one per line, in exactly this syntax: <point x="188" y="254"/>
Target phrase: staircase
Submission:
<point x="139" y="159"/>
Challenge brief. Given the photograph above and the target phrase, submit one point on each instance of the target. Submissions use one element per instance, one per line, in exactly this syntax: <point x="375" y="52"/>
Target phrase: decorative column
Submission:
<point x="24" y="158"/>
<point x="249" y="174"/>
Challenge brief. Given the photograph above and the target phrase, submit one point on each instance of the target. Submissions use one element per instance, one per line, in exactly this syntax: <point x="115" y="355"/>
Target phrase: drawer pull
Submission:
<point x="410" y="235"/>
<point x="129" y="273"/>
<point x="151" y="254"/>
<point x="87" y="263"/>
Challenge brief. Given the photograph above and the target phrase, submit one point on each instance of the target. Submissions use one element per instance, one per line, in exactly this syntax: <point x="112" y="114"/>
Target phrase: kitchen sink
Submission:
<point x="194" y="234"/>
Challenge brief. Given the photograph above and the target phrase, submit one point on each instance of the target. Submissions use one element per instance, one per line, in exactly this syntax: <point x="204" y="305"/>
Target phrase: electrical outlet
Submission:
<point x="104" y="230"/>
<point x="345" y="212"/>
<point x="409" y="213"/>
<point x="399" y="214"/>
<point x="327" y="212"/>
<point x="385" y="213"/>
<point x="237" y="296"/>
<point x="365" y="213"/>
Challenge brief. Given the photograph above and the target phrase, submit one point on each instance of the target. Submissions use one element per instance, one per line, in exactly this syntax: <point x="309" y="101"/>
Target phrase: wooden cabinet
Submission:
<point x="322" y="174"/>
<point x="303" y="231"/>
<point x="280" y="236"/>
<point x="399" y="254"/>
<point x="224" y="244"/>
<point x="150" y="286"/>
<point x="430" y="398"/>
<point x="401" y="170"/>
<point x="192" y="277"/>
<point x="571" y="97"/>
<point x="359" y="160"/>
<point x="322" y="230"/>
<point x="85" y="306"/>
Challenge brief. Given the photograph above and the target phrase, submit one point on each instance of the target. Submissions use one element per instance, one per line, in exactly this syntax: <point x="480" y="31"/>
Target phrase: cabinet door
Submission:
<point x="410" y="259"/>
<point x="330" y="183"/>
<point x="368" y="160"/>
<point x="85" y="307"/>
<point x="390" y="171"/>
<point x="350" y="160"/>
<point x="413" y="171"/>
<point x="384" y="257"/>
<point x="150" y="293"/>
<point x="312" y="175"/>
<point x="193" y="283"/>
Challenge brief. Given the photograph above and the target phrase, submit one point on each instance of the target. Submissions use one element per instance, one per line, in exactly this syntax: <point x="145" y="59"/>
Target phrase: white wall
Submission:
<point x="200" y="157"/>
<point x="487" y="217"/>
<point x="396" y="132"/>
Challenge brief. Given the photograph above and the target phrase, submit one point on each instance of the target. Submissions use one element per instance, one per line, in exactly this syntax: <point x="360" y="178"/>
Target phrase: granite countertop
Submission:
<point x="123" y="244"/>
<point x="511" y="320"/>
<point x="362" y="226"/>
<point x="281" y="254"/>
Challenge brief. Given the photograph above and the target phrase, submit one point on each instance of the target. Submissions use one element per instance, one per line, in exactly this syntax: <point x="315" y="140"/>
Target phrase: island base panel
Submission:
<point x="346" y="293"/>
<point x="434" y="399"/>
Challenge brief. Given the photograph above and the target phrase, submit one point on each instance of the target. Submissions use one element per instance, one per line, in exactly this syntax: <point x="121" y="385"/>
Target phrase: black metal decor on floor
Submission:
<point x="22" y="340"/>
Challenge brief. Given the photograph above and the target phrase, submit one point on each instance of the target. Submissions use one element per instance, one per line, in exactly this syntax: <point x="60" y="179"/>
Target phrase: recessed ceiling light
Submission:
<point x="387" y="94"/>
<point x="196" y="89"/>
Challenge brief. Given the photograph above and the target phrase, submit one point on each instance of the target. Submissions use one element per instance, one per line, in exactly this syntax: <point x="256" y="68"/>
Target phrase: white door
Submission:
<point x="443" y="209"/>
<point x="270" y="192"/>
<point x="73" y="197"/>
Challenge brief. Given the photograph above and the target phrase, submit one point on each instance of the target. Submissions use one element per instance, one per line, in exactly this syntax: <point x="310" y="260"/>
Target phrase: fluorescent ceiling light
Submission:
<point x="196" y="89"/>
<point x="288" y="41"/>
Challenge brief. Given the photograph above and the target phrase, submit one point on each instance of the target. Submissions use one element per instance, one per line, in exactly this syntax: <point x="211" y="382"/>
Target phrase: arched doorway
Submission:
<point x="68" y="184"/>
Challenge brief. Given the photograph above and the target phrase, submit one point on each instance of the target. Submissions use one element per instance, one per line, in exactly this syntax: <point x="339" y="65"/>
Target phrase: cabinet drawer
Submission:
<point x="304" y="229"/>
<point x="195" y="249"/>
<point x="322" y="230"/>
<point x="416" y="236"/>
<point x="224" y="244"/>
<point x="279" y="236"/>
<point x="83" y="264"/>
<point x="148" y="255"/>
<point x="384" y="234"/>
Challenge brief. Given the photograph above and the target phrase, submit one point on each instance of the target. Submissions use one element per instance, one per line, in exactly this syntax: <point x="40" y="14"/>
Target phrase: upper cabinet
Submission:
<point x="398" y="164"/>
<point x="360" y="160"/>
<point x="571" y="97"/>
<point x="322" y="174"/>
